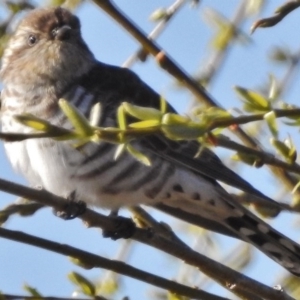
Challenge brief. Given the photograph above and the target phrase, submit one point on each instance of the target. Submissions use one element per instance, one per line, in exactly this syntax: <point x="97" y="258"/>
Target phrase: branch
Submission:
<point x="280" y="13"/>
<point x="235" y="282"/>
<point x="173" y="126"/>
<point x="279" y="113"/>
<point x="151" y="47"/>
<point x="92" y="260"/>
<point x="264" y="157"/>
<point x="169" y="124"/>
<point x="170" y="66"/>
<point x="217" y="57"/>
<point x="141" y="54"/>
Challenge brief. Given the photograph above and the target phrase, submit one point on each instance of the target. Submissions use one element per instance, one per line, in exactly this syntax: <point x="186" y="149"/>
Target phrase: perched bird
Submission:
<point x="45" y="60"/>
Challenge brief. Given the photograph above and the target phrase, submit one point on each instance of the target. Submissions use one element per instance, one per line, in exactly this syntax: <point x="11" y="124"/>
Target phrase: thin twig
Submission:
<point x="169" y="14"/>
<point x="290" y="74"/>
<point x="97" y="261"/>
<point x="170" y="66"/>
<point x="217" y="58"/>
<point x="235" y="282"/>
<point x="280" y="13"/>
<point x="151" y="47"/>
<point x="264" y="157"/>
<point x="279" y="113"/>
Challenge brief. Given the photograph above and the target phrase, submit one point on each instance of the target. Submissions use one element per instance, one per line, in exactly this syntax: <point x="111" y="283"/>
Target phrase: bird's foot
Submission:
<point x="123" y="227"/>
<point x="72" y="209"/>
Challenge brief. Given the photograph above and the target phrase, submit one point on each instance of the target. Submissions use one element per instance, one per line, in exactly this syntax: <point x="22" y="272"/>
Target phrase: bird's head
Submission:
<point x="47" y="45"/>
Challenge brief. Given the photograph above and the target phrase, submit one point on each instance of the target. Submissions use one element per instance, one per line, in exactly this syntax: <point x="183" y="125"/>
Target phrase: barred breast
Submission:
<point x="91" y="171"/>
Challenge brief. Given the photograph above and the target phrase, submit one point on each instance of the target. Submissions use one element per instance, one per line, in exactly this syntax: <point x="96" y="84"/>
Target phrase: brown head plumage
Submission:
<point x="46" y="44"/>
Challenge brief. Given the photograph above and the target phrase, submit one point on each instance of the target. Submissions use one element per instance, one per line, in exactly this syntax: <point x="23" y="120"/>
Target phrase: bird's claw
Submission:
<point x="72" y="209"/>
<point x="123" y="228"/>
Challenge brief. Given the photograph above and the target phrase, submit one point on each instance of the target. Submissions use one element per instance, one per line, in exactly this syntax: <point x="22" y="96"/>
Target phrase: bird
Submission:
<point x="46" y="59"/>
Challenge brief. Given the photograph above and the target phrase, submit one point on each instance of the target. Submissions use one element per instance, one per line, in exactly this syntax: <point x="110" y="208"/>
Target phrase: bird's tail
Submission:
<point x="239" y="222"/>
<point x="274" y="244"/>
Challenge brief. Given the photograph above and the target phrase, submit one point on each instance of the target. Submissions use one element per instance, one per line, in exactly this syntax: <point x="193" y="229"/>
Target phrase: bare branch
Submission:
<point x="141" y="54"/>
<point x="93" y="260"/>
<point x="280" y="13"/>
<point x="170" y="66"/>
<point x="235" y="282"/>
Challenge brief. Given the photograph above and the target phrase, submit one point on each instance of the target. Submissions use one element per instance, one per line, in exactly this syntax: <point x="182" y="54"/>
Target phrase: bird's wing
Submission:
<point x="120" y="84"/>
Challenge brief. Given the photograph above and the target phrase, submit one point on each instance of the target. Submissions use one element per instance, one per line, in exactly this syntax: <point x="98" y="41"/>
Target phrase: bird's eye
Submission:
<point x="32" y="39"/>
<point x="54" y="31"/>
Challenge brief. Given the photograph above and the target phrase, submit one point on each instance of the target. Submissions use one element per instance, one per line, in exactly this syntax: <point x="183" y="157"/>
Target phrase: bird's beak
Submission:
<point x="63" y="32"/>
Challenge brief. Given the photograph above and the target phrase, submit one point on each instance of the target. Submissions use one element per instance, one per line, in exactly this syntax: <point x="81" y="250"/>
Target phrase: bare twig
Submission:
<point x="170" y="66"/>
<point x="290" y="75"/>
<point x="264" y="157"/>
<point x="280" y="13"/>
<point x="97" y="261"/>
<point x="151" y="47"/>
<point x="234" y="281"/>
<point x="217" y="58"/>
<point x="279" y="113"/>
<point x="141" y="54"/>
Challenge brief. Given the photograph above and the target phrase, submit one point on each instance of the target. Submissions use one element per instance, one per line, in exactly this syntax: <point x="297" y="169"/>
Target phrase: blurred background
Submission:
<point x="196" y="39"/>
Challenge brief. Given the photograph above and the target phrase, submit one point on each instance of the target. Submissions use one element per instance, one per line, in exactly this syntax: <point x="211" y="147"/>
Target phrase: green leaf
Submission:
<point x="245" y="158"/>
<point x="254" y="8"/>
<point x="138" y="155"/>
<point x="248" y="107"/>
<point x="174" y="119"/>
<point x="178" y="127"/>
<point x="174" y="296"/>
<point x="33" y="122"/>
<point x="270" y="117"/>
<point x="109" y="286"/>
<point x="158" y="14"/>
<point x="296" y="187"/>
<point x="80" y="123"/>
<point x="145" y="124"/>
<point x="36" y="123"/>
<point x="120" y="149"/>
<point x="81" y="264"/>
<point x="33" y="292"/>
<point x="293" y="151"/>
<point x="253" y="99"/>
<point x="223" y="37"/>
<point x="183" y="132"/>
<point x="142" y="113"/>
<point x="214" y="114"/>
<point x="163" y="105"/>
<point x="288" y="153"/>
<point x="281" y="55"/>
<point x="95" y="114"/>
<point x="273" y="92"/>
<point x="217" y="112"/>
<point x="121" y="117"/>
<point x="85" y="285"/>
